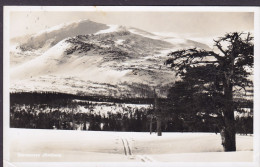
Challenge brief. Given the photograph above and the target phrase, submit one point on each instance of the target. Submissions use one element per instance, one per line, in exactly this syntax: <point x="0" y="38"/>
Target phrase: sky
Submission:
<point x="200" y="25"/>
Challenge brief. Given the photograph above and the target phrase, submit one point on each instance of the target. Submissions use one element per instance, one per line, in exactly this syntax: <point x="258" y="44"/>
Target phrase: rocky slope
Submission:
<point x="93" y="58"/>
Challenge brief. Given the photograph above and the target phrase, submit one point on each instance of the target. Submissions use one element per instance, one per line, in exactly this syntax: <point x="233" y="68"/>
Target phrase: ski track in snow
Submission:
<point x="93" y="146"/>
<point x="128" y="151"/>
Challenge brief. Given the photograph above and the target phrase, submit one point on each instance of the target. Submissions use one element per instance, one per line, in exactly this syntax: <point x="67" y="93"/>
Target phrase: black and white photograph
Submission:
<point x="132" y="85"/>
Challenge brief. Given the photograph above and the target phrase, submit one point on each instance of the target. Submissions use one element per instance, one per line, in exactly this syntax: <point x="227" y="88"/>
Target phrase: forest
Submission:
<point x="51" y="110"/>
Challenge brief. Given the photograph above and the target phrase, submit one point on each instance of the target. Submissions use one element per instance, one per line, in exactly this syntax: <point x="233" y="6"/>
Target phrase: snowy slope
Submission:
<point x="57" y="33"/>
<point x="179" y="43"/>
<point x="91" y="146"/>
<point x="43" y="40"/>
<point x="70" y="57"/>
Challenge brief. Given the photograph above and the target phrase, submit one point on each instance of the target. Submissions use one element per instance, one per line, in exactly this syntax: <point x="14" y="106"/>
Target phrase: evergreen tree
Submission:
<point x="220" y="73"/>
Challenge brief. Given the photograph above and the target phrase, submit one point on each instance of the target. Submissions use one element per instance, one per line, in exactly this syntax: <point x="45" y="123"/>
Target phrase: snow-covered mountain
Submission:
<point x="93" y="58"/>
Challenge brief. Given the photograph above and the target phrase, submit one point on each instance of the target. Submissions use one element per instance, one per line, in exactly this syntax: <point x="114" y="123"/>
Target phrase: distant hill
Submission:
<point x="86" y="57"/>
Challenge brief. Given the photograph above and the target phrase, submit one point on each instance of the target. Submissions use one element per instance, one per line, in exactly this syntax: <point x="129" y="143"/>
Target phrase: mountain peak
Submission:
<point x="57" y="33"/>
<point x="84" y="55"/>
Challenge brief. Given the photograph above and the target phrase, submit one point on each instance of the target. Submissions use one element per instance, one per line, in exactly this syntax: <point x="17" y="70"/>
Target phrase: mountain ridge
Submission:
<point x="104" y="54"/>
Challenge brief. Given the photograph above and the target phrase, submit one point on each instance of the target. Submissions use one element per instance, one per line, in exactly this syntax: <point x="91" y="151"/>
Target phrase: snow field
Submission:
<point x="92" y="146"/>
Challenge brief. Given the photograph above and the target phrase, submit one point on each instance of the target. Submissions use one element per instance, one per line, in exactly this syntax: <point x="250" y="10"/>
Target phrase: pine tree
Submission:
<point x="222" y="72"/>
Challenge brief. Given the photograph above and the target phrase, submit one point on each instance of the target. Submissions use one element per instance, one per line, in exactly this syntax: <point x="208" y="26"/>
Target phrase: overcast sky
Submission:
<point x="191" y="24"/>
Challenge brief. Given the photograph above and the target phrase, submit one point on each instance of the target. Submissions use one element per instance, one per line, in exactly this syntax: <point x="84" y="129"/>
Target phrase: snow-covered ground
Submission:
<point x="91" y="146"/>
<point x="113" y="54"/>
<point x="102" y="108"/>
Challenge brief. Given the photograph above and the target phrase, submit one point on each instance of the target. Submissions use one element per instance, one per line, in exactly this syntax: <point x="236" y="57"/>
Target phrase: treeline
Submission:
<point x="40" y="116"/>
<point x="47" y="117"/>
<point x="65" y="98"/>
<point x="51" y="110"/>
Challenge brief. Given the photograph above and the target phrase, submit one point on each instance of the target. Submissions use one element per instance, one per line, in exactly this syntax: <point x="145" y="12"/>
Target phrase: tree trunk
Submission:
<point x="159" y="125"/>
<point x="158" y="115"/>
<point x="151" y="125"/>
<point x="229" y="131"/>
<point x="84" y="126"/>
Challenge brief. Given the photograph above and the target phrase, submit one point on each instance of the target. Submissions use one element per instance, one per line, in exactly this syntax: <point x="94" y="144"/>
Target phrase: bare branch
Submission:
<point x="219" y="46"/>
